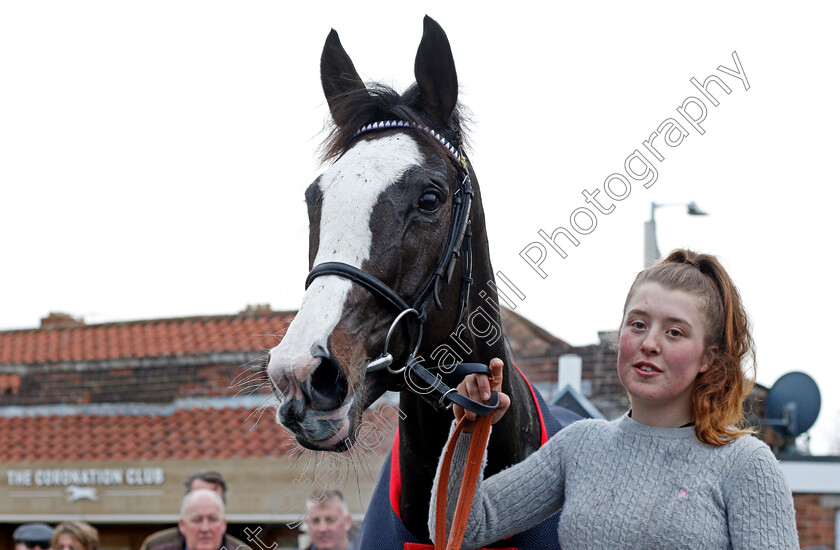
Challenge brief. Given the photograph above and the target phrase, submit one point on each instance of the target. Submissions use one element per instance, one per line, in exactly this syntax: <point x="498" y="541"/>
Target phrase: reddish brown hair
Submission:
<point x="717" y="399"/>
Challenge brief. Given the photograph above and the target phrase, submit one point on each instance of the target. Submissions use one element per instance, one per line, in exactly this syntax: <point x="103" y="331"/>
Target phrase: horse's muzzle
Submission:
<point x="319" y="430"/>
<point x="317" y="409"/>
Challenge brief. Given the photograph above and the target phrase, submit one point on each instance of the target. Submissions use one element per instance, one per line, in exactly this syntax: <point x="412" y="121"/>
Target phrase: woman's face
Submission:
<point x="66" y="541"/>
<point x="662" y="350"/>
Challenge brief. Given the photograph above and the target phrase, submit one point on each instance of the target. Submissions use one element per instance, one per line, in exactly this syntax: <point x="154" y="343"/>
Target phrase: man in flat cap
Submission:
<point x="33" y="536"/>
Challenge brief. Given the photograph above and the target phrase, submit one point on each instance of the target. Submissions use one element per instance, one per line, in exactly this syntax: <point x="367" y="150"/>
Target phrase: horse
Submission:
<point x="401" y="290"/>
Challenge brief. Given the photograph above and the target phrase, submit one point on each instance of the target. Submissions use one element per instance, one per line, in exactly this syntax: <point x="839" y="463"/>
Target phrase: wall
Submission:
<point x="159" y="380"/>
<point x="815" y="517"/>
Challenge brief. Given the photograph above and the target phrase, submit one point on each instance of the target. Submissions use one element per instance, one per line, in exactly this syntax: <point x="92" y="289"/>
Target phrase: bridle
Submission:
<point x="458" y="244"/>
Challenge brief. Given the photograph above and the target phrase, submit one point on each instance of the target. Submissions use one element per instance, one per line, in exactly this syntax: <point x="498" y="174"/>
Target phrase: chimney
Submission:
<point x="252" y="310"/>
<point x="608" y="338"/>
<point x="570" y="371"/>
<point x="61" y="320"/>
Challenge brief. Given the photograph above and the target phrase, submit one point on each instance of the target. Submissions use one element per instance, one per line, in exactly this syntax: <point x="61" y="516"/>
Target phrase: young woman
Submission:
<point x="678" y="470"/>
<point x="74" y="535"/>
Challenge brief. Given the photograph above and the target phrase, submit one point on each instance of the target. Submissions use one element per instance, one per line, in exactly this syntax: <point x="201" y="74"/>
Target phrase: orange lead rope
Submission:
<point x="472" y="470"/>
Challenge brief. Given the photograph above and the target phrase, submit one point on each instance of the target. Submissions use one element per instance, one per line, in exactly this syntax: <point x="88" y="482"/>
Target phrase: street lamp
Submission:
<point x="651" y="248"/>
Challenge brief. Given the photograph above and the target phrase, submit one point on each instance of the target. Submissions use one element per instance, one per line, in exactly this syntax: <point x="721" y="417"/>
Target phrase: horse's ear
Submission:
<point x="338" y="75"/>
<point x="434" y="69"/>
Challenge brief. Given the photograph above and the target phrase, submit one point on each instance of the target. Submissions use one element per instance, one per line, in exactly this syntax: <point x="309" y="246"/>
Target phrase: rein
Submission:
<point x="458" y="242"/>
<point x="469" y="481"/>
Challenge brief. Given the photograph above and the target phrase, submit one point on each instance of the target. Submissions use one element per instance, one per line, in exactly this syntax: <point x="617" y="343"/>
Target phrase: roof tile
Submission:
<point x="187" y="433"/>
<point x="143" y="339"/>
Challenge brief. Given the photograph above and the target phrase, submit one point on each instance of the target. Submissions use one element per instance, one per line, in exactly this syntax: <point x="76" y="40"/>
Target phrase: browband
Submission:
<point x="386" y="124"/>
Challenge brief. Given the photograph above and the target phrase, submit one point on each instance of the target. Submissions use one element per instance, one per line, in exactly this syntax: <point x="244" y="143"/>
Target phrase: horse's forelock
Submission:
<point x="379" y="103"/>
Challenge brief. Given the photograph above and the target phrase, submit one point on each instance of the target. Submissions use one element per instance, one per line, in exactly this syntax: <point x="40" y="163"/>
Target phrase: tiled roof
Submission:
<point x="187" y="433"/>
<point x="144" y="339"/>
<point x="527" y="339"/>
<point x="196" y="336"/>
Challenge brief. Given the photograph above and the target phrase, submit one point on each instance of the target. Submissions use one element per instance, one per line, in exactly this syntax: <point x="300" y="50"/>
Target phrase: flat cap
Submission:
<point x="33" y="532"/>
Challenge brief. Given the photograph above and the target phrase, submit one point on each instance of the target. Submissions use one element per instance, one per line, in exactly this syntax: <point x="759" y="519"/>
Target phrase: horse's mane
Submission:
<point x="378" y="103"/>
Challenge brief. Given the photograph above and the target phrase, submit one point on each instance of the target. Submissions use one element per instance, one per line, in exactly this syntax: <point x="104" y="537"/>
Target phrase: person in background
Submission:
<point x="207" y="479"/>
<point x="33" y="536"/>
<point x="204" y="479"/>
<point x="75" y="535"/>
<point x="328" y="521"/>
<point x="202" y="523"/>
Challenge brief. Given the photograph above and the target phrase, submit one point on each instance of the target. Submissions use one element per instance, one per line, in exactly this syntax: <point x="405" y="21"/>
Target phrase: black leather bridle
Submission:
<point x="458" y="245"/>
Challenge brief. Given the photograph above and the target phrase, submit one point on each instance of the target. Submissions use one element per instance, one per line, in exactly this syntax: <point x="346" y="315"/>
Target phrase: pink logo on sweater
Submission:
<point x="684" y="493"/>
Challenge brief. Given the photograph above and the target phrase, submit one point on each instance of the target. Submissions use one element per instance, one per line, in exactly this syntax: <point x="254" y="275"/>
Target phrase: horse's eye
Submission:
<point x="429" y="202"/>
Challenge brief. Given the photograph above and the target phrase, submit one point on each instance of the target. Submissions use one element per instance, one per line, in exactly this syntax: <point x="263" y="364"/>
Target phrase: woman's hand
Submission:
<point x="478" y="387"/>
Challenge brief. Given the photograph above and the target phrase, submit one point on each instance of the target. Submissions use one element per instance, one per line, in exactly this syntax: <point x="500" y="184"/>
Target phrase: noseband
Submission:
<point x="458" y="241"/>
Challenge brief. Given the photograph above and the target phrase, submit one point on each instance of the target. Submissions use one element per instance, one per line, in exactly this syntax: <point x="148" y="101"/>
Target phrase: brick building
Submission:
<point x="104" y="422"/>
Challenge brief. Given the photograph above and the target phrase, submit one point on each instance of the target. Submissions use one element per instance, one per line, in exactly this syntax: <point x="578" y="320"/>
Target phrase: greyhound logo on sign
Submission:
<point x="75" y="493"/>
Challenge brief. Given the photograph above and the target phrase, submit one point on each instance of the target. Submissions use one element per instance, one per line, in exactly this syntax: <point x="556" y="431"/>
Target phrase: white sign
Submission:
<point x="66" y="477"/>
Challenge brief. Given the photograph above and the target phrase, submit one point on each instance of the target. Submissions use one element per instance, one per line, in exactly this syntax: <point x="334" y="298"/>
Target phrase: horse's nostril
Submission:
<point x="329" y="386"/>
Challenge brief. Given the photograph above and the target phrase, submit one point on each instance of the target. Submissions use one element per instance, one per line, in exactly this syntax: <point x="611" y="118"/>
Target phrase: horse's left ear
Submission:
<point x="434" y="69"/>
<point x="338" y="76"/>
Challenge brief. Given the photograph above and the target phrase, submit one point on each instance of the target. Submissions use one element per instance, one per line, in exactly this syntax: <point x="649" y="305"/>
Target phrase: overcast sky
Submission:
<point x="153" y="155"/>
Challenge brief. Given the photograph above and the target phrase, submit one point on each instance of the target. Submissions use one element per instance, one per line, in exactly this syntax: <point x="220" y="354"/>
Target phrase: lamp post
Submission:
<point x="651" y="248"/>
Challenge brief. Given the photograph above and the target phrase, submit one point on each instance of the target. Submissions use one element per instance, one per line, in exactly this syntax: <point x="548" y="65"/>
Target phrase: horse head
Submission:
<point x="381" y="242"/>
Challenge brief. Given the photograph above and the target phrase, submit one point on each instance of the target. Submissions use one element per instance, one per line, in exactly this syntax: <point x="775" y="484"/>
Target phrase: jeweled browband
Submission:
<point x="385" y="124"/>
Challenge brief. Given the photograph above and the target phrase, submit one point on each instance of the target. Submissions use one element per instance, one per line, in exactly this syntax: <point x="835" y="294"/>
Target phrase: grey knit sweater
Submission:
<point x="623" y="484"/>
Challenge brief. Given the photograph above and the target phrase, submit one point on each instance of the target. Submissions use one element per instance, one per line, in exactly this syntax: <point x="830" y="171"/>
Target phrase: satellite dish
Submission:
<point x="792" y="404"/>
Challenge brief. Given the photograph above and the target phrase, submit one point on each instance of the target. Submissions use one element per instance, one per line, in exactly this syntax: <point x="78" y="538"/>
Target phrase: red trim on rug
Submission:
<point x="396" y="479"/>
<point x="543" y="432"/>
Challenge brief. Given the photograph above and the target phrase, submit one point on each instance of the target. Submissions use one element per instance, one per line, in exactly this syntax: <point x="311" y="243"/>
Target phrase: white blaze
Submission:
<point x="350" y="189"/>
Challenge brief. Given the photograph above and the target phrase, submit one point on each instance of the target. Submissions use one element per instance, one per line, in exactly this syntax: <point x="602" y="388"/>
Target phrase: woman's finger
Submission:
<point x="504" y="404"/>
<point x="471" y="391"/>
<point x="478" y="387"/>
<point x="458" y="411"/>
<point x="482" y="388"/>
<point x="496" y="368"/>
